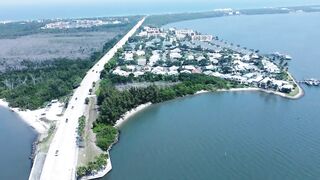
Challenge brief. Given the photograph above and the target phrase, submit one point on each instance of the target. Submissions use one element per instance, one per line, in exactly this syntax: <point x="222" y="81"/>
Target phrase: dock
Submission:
<point x="311" y="82"/>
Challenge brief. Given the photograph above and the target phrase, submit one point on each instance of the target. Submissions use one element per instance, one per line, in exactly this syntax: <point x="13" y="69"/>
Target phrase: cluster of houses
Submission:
<point x="82" y="23"/>
<point x="172" y="51"/>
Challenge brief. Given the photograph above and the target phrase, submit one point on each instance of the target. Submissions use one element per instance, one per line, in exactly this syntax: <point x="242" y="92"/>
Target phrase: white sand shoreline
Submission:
<point x="33" y="118"/>
<point x="297" y="96"/>
<point x="29" y="117"/>
<point x="130" y="113"/>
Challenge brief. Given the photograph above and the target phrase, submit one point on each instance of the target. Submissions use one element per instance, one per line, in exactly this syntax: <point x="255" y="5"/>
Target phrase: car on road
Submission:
<point x="56" y="153"/>
<point x="67" y="120"/>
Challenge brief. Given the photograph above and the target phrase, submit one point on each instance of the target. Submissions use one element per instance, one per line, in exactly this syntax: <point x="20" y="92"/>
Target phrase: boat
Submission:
<point x="287" y="57"/>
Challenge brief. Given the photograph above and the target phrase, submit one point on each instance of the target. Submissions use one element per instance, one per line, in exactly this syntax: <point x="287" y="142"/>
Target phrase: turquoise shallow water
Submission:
<point x="239" y="135"/>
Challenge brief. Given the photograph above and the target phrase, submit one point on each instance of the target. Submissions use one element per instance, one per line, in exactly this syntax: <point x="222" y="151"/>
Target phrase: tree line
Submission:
<point x="41" y="82"/>
<point x="113" y="103"/>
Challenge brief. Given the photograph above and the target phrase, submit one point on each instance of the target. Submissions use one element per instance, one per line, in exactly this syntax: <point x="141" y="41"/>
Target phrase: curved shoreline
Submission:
<point x="117" y="125"/>
<point x="130" y="113"/>
<point x="31" y="118"/>
<point x="297" y="96"/>
<point x="142" y="107"/>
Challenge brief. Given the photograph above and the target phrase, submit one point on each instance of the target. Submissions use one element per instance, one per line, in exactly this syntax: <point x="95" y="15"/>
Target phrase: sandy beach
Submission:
<point x="130" y="113"/>
<point x="297" y="96"/>
<point x="33" y="118"/>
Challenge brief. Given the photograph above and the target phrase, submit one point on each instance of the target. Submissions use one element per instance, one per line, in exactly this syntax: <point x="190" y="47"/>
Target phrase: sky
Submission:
<point x="43" y="9"/>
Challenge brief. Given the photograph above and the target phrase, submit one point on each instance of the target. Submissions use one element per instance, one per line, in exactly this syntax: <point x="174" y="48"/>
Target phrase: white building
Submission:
<point x="128" y="56"/>
<point x="142" y="61"/>
<point x="140" y="53"/>
<point x="184" y="32"/>
<point x="188" y="67"/>
<point x="270" y="67"/>
<point x="171" y="73"/>
<point x="120" y="72"/>
<point x="138" y="73"/>
<point x="175" y="55"/>
<point x="158" y="70"/>
<point x="173" y="68"/>
<point x="215" y="55"/>
<point x="154" y="58"/>
<point x="190" y="57"/>
<point x="204" y="38"/>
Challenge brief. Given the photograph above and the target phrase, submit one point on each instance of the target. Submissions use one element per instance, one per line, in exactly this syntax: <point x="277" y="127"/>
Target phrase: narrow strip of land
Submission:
<point x="61" y="159"/>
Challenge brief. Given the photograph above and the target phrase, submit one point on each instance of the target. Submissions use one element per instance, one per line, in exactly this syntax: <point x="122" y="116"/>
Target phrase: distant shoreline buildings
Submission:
<point x="174" y="51"/>
<point x="83" y="23"/>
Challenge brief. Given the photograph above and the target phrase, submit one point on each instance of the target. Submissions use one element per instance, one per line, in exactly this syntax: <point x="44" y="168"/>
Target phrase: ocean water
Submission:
<point x="241" y="135"/>
<point x="94" y="8"/>
<point x="238" y="135"/>
<point x="16" y="143"/>
<point x="294" y="34"/>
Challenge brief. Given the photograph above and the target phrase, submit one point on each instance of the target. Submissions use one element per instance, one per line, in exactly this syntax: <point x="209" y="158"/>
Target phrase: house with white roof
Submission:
<point x="210" y="67"/>
<point x="175" y="55"/>
<point x="142" y="61"/>
<point x="215" y="55"/>
<point x="270" y="67"/>
<point x="204" y="38"/>
<point x="154" y="58"/>
<point x="213" y="60"/>
<point x="158" y="70"/>
<point x="184" y="32"/>
<point x="120" y="72"/>
<point x="140" y="53"/>
<point x="173" y="68"/>
<point x="131" y="68"/>
<point x="172" y="73"/>
<point x="287" y="88"/>
<point x="246" y="57"/>
<point x="200" y="58"/>
<point x="190" y="57"/>
<point x="128" y="56"/>
<point x="188" y="67"/>
<point x="138" y="73"/>
<point x="185" y="71"/>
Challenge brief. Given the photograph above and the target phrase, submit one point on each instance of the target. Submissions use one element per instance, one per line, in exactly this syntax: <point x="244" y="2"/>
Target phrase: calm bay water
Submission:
<point x="16" y="141"/>
<point x="240" y="135"/>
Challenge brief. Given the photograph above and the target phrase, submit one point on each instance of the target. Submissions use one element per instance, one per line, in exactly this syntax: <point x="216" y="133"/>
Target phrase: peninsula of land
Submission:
<point x="157" y="65"/>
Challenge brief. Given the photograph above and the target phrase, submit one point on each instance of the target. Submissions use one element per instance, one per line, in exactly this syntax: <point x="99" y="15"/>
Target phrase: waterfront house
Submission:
<point x="204" y="38"/>
<point x="128" y="56"/>
<point x="142" y="61"/>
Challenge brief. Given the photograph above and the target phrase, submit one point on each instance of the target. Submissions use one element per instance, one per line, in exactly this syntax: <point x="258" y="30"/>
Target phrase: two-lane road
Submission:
<point x="61" y="159"/>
